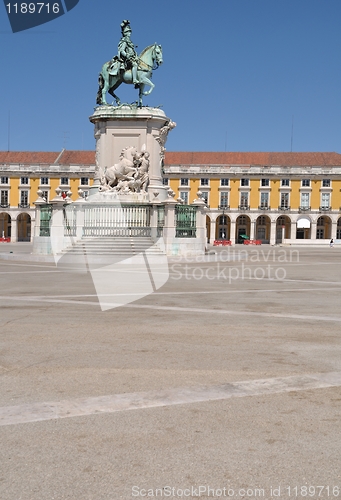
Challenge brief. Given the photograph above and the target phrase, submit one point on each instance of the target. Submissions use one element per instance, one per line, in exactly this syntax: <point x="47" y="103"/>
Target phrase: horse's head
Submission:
<point x="157" y="54"/>
<point x="128" y="152"/>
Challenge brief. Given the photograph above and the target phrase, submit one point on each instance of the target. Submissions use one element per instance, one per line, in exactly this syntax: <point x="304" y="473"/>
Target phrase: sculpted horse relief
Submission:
<point x="129" y="175"/>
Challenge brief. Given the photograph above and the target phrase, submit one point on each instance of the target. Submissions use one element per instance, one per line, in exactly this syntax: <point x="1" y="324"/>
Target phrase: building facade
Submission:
<point x="273" y="197"/>
<point x="23" y="173"/>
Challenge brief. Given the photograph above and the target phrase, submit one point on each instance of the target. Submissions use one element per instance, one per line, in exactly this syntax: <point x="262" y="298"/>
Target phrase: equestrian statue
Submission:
<point x="128" y="67"/>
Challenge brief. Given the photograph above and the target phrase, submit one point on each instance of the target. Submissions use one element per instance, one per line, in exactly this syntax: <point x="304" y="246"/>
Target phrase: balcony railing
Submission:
<point x="264" y="207"/>
<point x="304" y="209"/>
<point x="325" y="209"/>
<point x="224" y="207"/>
<point x="283" y="207"/>
<point x="244" y="207"/>
<point x="4" y="205"/>
<point x="23" y="205"/>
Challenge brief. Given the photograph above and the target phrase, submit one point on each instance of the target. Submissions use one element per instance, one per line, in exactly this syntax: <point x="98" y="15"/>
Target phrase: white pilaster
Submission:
<point x="253" y="230"/>
<point x="313" y="231"/>
<point x="212" y="230"/>
<point x="273" y="233"/>
<point x="14" y="231"/>
<point x="233" y="232"/>
<point x="334" y="229"/>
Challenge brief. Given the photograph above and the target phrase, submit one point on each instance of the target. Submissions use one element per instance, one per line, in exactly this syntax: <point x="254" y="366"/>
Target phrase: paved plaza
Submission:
<point x="224" y="383"/>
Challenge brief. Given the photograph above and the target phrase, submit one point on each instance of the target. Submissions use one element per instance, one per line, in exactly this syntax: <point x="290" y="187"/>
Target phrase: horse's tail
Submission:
<point x="100" y="88"/>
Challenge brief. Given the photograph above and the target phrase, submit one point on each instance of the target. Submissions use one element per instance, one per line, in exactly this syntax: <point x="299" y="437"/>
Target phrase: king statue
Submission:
<point x="126" y="51"/>
<point x="129" y="67"/>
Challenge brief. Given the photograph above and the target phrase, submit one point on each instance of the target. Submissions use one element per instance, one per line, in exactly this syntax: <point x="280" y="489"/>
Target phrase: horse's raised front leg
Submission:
<point x="148" y="82"/>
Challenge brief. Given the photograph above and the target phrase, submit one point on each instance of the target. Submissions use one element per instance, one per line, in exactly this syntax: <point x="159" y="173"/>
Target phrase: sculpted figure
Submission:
<point x="164" y="131"/>
<point x="126" y="51"/>
<point x="142" y="174"/>
<point x="124" y="170"/>
<point x="129" y="175"/>
<point x="162" y="139"/>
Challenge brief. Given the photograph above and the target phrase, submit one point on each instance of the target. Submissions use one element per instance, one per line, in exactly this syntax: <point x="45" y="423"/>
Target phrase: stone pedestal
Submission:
<point x="119" y="211"/>
<point x="117" y="128"/>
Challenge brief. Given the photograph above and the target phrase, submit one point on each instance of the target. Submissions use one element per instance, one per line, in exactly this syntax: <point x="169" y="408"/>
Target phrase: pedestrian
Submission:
<point x="331" y="244"/>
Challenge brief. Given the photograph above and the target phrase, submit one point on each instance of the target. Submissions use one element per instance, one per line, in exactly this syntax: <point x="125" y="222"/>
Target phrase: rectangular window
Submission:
<point x="305" y="182"/>
<point x="24" y="198"/>
<point x="24" y="180"/>
<point x="224" y="200"/>
<point x="224" y="182"/>
<point x="4" y="180"/>
<point x="265" y="182"/>
<point x="205" y="197"/>
<point x="326" y="183"/>
<point x="305" y="197"/>
<point x="45" y="195"/>
<point x="264" y="200"/>
<point x="183" y="181"/>
<point x="244" y="199"/>
<point x="319" y="234"/>
<point x="44" y="180"/>
<point x="64" y="181"/>
<point x="325" y="200"/>
<point x="244" y="182"/>
<point x="165" y="181"/>
<point x="285" y="182"/>
<point x="84" y="181"/>
<point x="204" y="182"/>
<point x="284" y="200"/>
<point x="4" y="199"/>
<point x="184" y="196"/>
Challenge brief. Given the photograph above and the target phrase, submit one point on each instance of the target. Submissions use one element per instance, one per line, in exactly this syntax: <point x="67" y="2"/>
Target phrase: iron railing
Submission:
<point x="70" y="221"/>
<point x="160" y="220"/>
<point x="185" y="221"/>
<point x="45" y="218"/>
<point x="125" y="220"/>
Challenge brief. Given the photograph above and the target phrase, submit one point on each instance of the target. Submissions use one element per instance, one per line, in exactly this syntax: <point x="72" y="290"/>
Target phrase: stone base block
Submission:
<point x="185" y="247"/>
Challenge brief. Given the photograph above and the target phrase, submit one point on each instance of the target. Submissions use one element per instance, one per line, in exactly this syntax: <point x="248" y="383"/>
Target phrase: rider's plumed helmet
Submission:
<point x="125" y="27"/>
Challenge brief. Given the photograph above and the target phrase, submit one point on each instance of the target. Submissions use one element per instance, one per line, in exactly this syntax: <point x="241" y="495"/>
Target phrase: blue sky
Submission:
<point x="236" y="73"/>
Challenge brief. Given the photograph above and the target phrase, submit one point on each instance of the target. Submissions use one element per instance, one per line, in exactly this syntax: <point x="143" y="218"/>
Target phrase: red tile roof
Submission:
<point x="66" y="157"/>
<point x="77" y="158"/>
<point x="28" y="157"/>
<point x="41" y="157"/>
<point x="258" y="158"/>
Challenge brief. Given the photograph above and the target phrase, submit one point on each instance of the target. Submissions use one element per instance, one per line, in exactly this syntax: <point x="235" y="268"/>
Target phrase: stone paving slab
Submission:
<point x="191" y="339"/>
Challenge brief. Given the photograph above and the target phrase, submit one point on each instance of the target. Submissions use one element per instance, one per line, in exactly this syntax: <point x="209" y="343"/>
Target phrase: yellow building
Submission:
<point x="266" y="196"/>
<point x="23" y="173"/>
